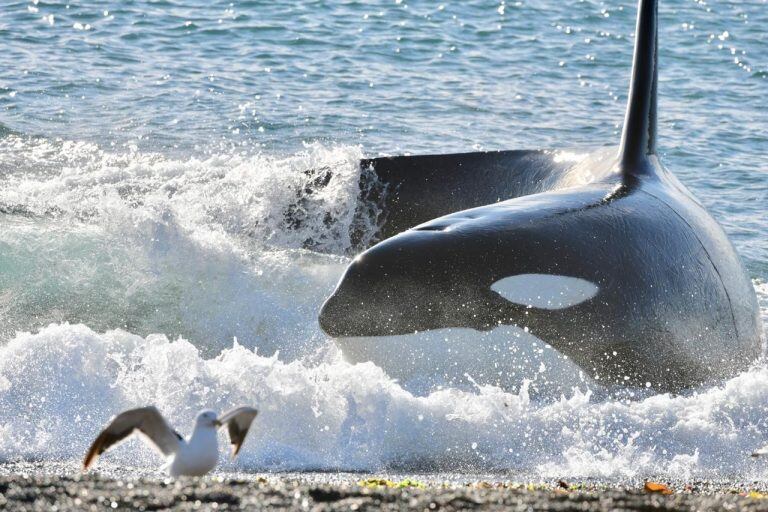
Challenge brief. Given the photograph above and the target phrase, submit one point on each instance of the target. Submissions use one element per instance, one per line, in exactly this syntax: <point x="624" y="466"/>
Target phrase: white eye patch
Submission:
<point x="545" y="291"/>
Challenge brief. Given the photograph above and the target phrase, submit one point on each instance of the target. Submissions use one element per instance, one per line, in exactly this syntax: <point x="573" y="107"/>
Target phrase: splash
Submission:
<point x="64" y="382"/>
<point x="306" y="200"/>
<point x="207" y="248"/>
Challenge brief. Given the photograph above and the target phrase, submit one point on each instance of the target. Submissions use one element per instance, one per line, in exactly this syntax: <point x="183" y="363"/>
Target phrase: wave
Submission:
<point x="64" y="382"/>
<point x="304" y="200"/>
<point x="206" y="248"/>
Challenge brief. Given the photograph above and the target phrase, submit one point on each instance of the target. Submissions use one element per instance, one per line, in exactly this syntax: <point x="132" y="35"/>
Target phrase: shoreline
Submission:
<point x="60" y="486"/>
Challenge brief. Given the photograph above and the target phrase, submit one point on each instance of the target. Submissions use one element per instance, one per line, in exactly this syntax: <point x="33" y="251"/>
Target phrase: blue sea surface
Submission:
<point x="149" y="151"/>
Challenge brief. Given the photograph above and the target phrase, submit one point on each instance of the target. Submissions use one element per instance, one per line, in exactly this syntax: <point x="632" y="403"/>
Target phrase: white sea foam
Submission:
<point x="59" y="386"/>
<point x="213" y="248"/>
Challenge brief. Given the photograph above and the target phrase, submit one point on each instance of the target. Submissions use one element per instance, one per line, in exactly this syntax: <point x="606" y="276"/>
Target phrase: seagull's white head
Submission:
<point x="207" y="418"/>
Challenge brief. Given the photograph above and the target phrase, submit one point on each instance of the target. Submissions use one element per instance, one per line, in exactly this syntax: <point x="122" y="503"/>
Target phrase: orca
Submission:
<point x="606" y="258"/>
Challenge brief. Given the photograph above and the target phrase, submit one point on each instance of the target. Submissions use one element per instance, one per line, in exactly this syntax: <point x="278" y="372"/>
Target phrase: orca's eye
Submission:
<point x="545" y="291"/>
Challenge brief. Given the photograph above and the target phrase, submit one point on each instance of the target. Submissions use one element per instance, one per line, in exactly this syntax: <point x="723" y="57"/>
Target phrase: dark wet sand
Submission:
<point x="32" y="486"/>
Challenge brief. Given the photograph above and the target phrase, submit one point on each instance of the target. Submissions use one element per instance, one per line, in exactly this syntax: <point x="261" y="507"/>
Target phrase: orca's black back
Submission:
<point x="411" y="190"/>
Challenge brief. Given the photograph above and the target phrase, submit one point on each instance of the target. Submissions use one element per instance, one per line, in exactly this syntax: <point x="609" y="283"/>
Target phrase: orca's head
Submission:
<point x="411" y="282"/>
<point x="477" y="269"/>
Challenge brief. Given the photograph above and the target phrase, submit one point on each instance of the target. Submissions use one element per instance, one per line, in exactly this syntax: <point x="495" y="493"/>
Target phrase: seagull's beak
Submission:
<point x="217" y="423"/>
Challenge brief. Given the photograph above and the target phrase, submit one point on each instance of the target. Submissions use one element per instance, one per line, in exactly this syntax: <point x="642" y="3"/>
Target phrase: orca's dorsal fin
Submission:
<point x="638" y="140"/>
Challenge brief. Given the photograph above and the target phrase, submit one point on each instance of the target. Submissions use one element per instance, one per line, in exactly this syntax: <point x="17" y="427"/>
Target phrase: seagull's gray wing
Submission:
<point x="238" y="422"/>
<point x="147" y="421"/>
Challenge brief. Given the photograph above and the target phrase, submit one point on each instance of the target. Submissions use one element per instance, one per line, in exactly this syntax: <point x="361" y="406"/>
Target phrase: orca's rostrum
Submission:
<point x="608" y="259"/>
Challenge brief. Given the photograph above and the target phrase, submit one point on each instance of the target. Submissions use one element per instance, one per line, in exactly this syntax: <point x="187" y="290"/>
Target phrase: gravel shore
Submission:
<point x="51" y="487"/>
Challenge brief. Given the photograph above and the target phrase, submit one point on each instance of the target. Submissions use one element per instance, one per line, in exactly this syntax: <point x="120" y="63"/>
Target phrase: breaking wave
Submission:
<point x="64" y="382"/>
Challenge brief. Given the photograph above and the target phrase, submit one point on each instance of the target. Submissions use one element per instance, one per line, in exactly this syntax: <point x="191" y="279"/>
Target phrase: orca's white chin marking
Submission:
<point x="504" y="357"/>
<point x="545" y="291"/>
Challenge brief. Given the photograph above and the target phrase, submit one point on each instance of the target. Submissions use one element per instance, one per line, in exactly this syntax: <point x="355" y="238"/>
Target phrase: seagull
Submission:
<point x="193" y="457"/>
<point x="760" y="452"/>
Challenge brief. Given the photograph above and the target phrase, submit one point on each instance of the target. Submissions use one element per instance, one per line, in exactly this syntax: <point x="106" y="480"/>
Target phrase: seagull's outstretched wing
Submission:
<point x="761" y="452"/>
<point x="147" y="421"/>
<point x="238" y="422"/>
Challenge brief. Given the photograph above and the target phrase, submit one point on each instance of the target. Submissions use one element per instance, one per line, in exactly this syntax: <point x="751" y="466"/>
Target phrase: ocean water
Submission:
<point x="151" y="151"/>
